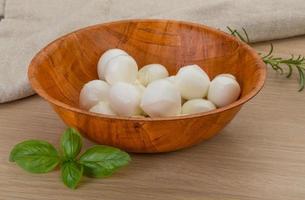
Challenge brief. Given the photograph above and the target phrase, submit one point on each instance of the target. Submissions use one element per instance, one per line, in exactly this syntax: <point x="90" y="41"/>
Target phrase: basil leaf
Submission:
<point x="71" y="173"/>
<point x="71" y="143"/>
<point x="103" y="161"/>
<point x="35" y="156"/>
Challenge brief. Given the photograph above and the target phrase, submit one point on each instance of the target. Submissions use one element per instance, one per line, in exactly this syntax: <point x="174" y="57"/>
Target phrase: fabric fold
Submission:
<point x="29" y="25"/>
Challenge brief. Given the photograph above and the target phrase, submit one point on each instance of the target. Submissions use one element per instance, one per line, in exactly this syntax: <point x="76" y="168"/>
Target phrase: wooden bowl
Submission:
<point x="59" y="71"/>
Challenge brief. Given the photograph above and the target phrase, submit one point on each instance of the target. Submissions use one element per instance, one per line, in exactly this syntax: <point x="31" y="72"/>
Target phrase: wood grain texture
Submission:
<point x="60" y="70"/>
<point x="259" y="155"/>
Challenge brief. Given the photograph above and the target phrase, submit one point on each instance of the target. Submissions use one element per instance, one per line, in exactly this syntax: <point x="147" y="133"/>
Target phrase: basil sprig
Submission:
<point x="99" y="161"/>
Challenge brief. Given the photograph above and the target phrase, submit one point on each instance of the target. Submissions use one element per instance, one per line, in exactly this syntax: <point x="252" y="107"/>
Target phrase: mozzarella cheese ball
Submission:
<point x="124" y="99"/>
<point x="102" y="107"/>
<point x="161" y="99"/>
<point x="141" y="89"/>
<point x="152" y="72"/>
<point x="192" y="82"/>
<point x="227" y="75"/>
<point x="197" y="105"/>
<point x="105" y="58"/>
<point x="139" y="86"/>
<point x="93" y="92"/>
<point x="171" y="79"/>
<point x="223" y="91"/>
<point x="122" y="68"/>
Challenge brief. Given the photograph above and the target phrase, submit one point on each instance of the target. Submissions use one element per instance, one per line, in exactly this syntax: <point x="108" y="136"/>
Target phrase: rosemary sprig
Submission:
<point x="235" y="33"/>
<point x="277" y="63"/>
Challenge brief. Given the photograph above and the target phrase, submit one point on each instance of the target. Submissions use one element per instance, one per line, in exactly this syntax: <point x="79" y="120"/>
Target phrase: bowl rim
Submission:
<point x="260" y="64"/>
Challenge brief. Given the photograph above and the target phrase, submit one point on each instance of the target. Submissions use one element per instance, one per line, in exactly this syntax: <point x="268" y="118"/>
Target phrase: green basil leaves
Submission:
<point x="103" y="161"/>
<point x="71" y="173"/>
<point x="37" y="156"/>
<point x="70" y="143"/>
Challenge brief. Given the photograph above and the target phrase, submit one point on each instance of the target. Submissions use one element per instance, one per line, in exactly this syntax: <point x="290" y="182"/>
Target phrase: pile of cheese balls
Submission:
<point x="124" y="90"/>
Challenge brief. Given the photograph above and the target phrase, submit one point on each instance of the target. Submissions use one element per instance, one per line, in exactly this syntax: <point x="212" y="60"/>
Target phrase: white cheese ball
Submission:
<point x="105" y="58"/>
<point x="124" y="99"/>
<point x="122" y="68"/>
<point x="161" y="99"/>
<point x="227" y="75"/>
<point x="171" y="79"/>
<point x="197" y="105"/>
<point x="102" y="107"/>
<point x="139" y="86"/>
<point x="141" y="89"/>
<point x="151" y="72"/>
<point x="192" y="82"/>
<point x="93" y="92"/>
<point x="223" y="91"/>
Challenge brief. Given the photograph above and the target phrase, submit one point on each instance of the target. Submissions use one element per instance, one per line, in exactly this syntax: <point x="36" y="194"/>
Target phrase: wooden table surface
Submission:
<point x="259" y="155"/>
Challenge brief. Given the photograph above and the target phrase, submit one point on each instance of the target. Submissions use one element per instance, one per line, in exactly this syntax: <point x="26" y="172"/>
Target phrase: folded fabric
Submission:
<point x="28" y="25"/>
<point x="1" y="8"/>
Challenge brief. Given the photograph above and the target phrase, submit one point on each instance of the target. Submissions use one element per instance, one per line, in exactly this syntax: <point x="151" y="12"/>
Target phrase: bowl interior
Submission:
<point x="61" y="69"/>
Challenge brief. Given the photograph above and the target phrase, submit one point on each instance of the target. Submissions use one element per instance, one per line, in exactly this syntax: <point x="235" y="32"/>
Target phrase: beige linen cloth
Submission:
<point x="28" y="25"/>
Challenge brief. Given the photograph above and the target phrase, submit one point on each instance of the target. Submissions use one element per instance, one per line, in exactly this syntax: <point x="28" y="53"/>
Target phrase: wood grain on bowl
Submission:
<point x="59" y="71"/>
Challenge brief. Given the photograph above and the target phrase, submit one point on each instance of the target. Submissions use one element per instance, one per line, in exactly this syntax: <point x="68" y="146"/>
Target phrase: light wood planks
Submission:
<point x="259" y="155"/>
